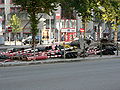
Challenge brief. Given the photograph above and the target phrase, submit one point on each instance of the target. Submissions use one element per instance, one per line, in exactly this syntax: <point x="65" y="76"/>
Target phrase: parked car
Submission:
<point x="28" y="40"/>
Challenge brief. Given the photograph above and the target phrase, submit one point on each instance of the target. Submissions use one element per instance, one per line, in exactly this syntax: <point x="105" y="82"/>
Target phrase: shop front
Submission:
<point x="68" y="29"/>
<point x="68" y="34"/>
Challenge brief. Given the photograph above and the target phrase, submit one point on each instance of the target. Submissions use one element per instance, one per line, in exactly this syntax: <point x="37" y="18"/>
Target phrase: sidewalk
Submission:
<point x="57" y="60"/>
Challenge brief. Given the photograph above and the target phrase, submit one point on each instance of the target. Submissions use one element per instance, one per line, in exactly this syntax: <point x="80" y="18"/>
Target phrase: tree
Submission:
<point x="111" y="14"/>
<point x="15" y="23"/>
<point x="83" y="8"/>
<point x="33" y="8"/>
<point x="110" y="11"/>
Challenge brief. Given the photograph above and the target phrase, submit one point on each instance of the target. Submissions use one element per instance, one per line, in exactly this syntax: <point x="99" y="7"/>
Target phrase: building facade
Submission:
<point x="60" y="26"/>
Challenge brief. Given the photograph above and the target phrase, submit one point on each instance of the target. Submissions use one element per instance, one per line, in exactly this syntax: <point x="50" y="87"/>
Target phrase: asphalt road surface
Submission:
<point x="88" y="75"/>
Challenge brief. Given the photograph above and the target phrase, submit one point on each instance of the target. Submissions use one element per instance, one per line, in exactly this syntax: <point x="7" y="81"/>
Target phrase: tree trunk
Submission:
<point x="33" y="40"/>
<point x="110" y="30"/>
<point x="116" y="30"/>
<point x="34" y="29"/>
<point x="33" y="43"/>
<point x="15" y="38"/>
<point x="115" y="35"/>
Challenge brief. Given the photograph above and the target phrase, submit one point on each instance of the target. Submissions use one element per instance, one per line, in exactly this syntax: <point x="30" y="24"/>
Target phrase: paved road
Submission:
<point x="91" y="75"/>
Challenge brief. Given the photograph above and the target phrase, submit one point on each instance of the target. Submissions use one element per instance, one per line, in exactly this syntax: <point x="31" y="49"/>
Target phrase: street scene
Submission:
<point x="59" y="44"/>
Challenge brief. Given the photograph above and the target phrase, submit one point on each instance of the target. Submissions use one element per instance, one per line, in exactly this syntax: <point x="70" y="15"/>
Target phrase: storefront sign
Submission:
<point x="58" y="16"/>
<point x="68" y="30"/>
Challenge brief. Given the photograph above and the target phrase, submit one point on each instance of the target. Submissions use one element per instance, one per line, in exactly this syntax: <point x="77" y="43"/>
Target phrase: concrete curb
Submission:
<point x="51" y="61"/>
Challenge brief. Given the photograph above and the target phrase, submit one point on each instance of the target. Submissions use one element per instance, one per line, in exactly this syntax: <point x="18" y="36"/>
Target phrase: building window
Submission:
<point x="12" y="10"/>
<point x="2" y="10"/>
<point x="68" y="23"/>
<point x="18" y="9"/>
<point x="52" y="23"/>
<point x="47" y="23"/>
<point x="63" y="23"/>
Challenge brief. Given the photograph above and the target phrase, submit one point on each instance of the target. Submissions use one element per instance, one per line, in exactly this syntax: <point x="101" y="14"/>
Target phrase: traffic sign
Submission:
<point x="9" y="29"/>
<point x="82" y="30"/>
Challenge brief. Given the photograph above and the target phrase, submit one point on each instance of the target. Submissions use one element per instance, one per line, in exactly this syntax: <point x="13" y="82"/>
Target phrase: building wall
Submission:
<point x="7" y="9"/>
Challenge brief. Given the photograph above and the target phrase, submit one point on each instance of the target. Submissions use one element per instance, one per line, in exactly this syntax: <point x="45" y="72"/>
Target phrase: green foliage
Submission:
<point x="82" y="7"/>
<point x="111" y="12"/>
<point x="15" y="23"/>
<point x="37" y="6"/>
<point x="33" y="8"/>
<point x="34" y="22"/>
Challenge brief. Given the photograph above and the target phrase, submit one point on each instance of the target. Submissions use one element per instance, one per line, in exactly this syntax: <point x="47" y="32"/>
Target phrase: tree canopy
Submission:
<point x="111" y="13"/>
<point x="110" y="9"/>
<point x="37" y="6"/>
<point x="33" y="8"/>
<point x="15" y="23"/>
